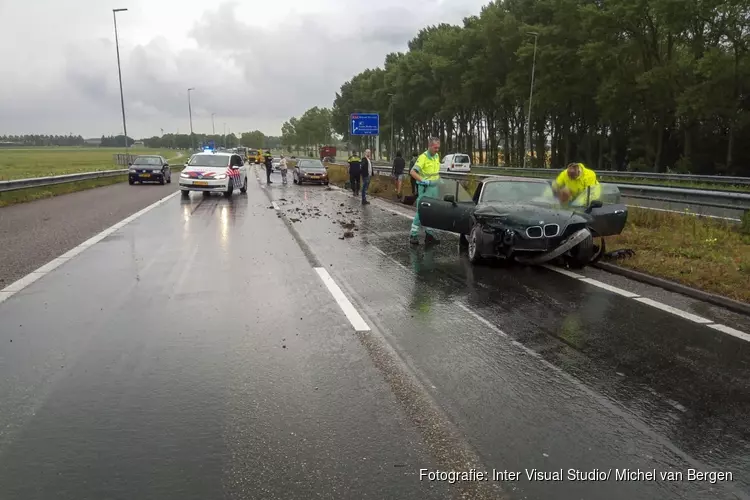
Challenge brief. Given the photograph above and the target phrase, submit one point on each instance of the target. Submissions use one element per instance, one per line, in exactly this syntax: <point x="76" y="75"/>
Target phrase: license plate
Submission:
<point x="201" y="183"/>
<point x="145" y="175"/>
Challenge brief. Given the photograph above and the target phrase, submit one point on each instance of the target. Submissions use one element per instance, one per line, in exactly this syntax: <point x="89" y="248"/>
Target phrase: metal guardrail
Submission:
<point x="731" y="200"/>
<point x="17" y="184"/>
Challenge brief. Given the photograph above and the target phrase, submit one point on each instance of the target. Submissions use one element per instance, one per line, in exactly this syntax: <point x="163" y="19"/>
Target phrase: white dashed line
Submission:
<point x="50" y="266"/>
<point x="346" y="306"/>
<point x="643" y="300"/>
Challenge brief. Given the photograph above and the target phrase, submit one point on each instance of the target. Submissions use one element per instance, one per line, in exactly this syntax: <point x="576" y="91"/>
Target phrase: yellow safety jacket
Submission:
<point x="428" y="166"/>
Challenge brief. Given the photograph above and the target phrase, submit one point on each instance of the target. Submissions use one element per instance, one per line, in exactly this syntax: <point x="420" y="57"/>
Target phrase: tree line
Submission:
<point x="41" y="140"/>
<point x="308" y="132"/>
<point x="646" y="85"/>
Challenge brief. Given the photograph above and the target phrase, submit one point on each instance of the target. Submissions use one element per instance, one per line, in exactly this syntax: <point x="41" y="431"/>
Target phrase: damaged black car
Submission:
<point x="519" y="218"/>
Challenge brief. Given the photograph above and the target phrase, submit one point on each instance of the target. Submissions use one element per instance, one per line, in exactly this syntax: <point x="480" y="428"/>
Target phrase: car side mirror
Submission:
<point x="450" y="199"/>
<point x="596" y="204"/>
<point x="166" y="164"/>
<point x="130" y="164"/>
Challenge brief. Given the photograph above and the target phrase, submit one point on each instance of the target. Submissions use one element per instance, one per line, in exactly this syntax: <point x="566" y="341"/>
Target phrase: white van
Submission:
<point x="457" y="162"/>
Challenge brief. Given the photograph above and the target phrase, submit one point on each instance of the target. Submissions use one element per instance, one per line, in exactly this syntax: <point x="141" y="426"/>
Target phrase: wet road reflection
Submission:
<point x="689" y="384"/>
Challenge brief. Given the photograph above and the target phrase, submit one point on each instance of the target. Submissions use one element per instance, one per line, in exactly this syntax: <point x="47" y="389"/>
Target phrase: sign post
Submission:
<point x="366" y="125"/>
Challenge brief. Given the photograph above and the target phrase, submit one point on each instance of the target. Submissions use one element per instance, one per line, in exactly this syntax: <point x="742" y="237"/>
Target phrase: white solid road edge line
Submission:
<point x="346" y="306"/>
<point x="50" y="266"/>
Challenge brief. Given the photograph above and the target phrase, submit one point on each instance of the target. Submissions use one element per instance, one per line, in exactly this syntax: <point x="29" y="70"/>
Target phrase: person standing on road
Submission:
<point x="282" y="168"/>
<point x="354" y="172"/>
<point x="398" y="172"/>
<point x="367" y="173"/>
<point x="268" y="160"/>
<point x="413" y="162"/>
<point x="426" y="172"/>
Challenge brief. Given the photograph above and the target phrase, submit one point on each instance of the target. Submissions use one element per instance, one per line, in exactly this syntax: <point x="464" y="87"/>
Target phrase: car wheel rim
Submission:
<point x="472" y="245"/>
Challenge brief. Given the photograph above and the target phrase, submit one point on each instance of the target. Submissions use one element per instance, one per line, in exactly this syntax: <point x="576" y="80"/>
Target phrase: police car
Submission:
<point x="214" y="172"/>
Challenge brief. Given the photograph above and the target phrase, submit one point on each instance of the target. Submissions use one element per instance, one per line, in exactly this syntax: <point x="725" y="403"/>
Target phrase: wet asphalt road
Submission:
<point x="195" y="353"/>
<point x="34" y="233"/>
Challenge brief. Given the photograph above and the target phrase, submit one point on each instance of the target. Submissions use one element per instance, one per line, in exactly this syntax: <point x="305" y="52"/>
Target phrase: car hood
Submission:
<point x="527" y="214"/>
<point x="204" y="172"/>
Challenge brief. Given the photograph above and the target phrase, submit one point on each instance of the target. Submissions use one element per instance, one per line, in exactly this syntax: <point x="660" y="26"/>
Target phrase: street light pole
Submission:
<point x="190" y="110"/>
<point x="119" y="74"/>
<point x="531" y="96"/>
<point x="225" y="134"/>
<point x="391" y="153"/>
<point x="213" y="127"/>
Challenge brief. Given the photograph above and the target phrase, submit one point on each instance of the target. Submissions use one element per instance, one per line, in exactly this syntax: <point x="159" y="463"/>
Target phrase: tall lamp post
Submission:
<point x="213" y="127"/>
<point x="190" y="111"/>
<point x="119" y="74"/>
<point x="531" y="96"/>
<point x="391" y="153"/>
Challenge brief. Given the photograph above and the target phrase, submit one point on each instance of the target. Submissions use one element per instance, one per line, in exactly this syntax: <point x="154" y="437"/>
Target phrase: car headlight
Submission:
<point x="156" y="171"/>
<point x="184" y="175"/>
<point x="221" y="176"/>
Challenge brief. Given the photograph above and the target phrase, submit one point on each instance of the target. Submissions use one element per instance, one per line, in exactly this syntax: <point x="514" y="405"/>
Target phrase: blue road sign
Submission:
<point x="364" y="124"/>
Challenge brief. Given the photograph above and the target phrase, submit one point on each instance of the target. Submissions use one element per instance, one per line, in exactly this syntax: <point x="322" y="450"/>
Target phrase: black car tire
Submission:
<point x="463" y="241"/>
<point x="582" y="254"/>
<point x="131" y="182"/>
<point x="185" y="193"/>
<point x="243" y="189"/>
<point x="599" y="249"/>
<point x="228" y="193"/>
<point x="162" y="181"/>
<point x="325" y="183"/>
<point x="206" y="194"/>
<point x="169" y="177"/>
<point x="473" y="245"/>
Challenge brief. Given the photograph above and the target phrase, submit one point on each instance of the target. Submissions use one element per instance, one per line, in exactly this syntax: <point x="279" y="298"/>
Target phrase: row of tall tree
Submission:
<point x="254" y="139"/>
<point x="623" y="84"/>
<point x="41" y="140"/>
<point x="308" y="132"/>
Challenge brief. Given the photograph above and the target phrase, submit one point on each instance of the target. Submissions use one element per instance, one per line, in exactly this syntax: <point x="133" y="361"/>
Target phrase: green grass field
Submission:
<point x="47" y="161"/>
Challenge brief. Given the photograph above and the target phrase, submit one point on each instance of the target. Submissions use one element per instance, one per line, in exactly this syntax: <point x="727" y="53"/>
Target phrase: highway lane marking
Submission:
<point x="346" y="306"/>
<point x="643" y="300"/>
<point x="50" y="266"/>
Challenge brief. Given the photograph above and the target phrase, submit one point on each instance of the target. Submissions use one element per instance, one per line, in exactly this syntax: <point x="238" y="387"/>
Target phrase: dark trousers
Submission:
<point x="354" y="182"/>
<point x="413" y="185"/>
<point x="269" y="169"/>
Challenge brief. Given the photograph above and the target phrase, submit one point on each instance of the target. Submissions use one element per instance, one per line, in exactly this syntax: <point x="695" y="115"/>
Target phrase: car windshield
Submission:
<point x="147" y="160"/>
<point x="209" y="161"/>
<point x="312" y="165"/>
<point x="517" y="191"/>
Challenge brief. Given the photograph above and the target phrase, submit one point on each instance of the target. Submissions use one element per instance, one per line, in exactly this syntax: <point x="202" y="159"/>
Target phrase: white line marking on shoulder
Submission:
<point x="564" y="271"/>
<point x="674" y="310"/>
<point x="610" y="288"/>
<point x="731" y="331"/>
<point x="346" y="306"/>
<point x="50" y="266"/>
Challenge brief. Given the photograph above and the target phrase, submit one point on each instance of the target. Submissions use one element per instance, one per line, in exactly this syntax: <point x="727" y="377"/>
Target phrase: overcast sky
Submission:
<point x="255" y="63"/>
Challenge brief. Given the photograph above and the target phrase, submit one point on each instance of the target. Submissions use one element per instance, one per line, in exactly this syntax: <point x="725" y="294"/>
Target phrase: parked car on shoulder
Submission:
<point x="149" y="168"/>
<point x="456" y="162"/>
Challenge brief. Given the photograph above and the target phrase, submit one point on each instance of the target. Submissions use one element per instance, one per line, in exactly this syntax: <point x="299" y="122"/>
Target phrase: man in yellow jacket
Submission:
<point x="426" y="171"/>
<point x="572" y="185"/>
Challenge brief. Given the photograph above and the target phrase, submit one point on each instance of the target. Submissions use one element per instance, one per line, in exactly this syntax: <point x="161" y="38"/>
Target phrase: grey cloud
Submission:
<point x="251" y="73"/>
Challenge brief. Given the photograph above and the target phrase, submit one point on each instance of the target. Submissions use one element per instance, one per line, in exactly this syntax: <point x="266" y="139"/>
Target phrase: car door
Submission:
<point x="243" y="170"/>
<point x="444" y="212"/>
<point x="608" y="220"/>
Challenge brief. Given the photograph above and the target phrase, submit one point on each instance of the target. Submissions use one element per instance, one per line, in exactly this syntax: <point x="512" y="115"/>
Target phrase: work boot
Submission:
<point x="365" y="202"/>
<point x="430" y="239"/>
<point x="414" y="239"/>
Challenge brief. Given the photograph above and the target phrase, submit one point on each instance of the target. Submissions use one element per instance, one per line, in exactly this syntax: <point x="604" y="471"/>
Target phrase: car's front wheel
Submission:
<point x="230" y="190"/>
<point x="131" y="182"/>
<point x="185" y="193"/>
<point x="473" y="244"/>
<point x="243" y="189"/>
<point x="582" y="254"/>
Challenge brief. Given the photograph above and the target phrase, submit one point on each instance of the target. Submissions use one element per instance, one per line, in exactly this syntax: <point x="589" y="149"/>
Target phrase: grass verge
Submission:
<point x="32" y="194"/>
<point x="707" y="254"/>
